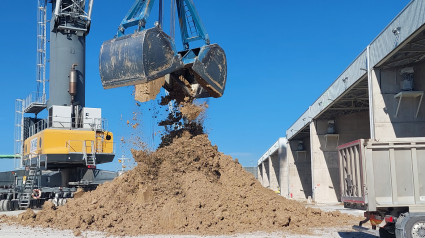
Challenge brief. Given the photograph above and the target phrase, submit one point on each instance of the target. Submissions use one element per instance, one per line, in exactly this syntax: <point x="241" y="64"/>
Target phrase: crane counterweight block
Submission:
<point x="211" y="68"/>
<point x="137" y="58"/>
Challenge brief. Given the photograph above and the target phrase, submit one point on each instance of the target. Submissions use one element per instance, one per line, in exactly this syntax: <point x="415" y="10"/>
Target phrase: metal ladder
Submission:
<point x="99" y="143"/>
<point x="190" y="23"/>
<point x="41" y="50"/>
<point x="90" y="158"/>
<point x="19" y="133"/>
<point x="33" y="176"/>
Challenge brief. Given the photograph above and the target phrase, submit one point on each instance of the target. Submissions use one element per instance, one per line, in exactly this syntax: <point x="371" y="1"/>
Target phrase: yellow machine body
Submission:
<point x="64" y="146"/>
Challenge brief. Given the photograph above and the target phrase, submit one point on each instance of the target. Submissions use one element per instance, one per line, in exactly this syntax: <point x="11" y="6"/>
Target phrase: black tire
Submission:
<point x="40" y="203"/>
<point x="387" y="232"/>
<point x="8" y="205"/>
<point x="4" y="205"/>
<point x="32" y="204"/>
<point x="14" y="205"/>
<point x="415" y="227"/>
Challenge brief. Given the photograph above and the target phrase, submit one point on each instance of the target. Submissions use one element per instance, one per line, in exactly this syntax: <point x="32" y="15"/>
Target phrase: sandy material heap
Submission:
<point x="186" y="187"/>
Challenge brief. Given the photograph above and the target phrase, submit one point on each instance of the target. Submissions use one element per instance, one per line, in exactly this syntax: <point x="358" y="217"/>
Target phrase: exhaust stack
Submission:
<point x="73" y="83"/>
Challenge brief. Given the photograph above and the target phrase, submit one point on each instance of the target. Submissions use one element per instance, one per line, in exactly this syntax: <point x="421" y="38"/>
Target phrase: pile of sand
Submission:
<point x="186" y="187"/>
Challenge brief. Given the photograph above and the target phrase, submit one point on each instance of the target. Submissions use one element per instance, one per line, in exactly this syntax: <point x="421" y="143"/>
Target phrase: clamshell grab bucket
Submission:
<point x="137" y="58"/>
<point x="211" y="68"/>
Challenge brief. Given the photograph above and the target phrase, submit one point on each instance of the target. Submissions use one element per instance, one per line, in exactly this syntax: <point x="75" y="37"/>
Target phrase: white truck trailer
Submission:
<point x="387" y="180"/>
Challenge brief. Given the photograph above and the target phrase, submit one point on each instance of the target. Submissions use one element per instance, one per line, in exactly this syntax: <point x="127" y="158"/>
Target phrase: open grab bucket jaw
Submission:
<point x="210" y="68"/>
<point x="137" y="58"/>
<point x="150" y="54"/>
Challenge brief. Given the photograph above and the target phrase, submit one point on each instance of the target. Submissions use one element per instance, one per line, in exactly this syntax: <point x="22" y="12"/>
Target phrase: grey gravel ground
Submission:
<point x="19" y="232"/>
<point x="336" y="232"/>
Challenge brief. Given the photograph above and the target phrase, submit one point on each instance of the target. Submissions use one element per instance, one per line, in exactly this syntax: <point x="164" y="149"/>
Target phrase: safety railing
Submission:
<point x="81" y="146"/>
<point x="89" y="146"/>
<point x="97" y="124"/>
<point x="74" y="146"/>
<point x="37" y="127"/>
<point x="105" y="146"/>
<point x="34" y="98"/>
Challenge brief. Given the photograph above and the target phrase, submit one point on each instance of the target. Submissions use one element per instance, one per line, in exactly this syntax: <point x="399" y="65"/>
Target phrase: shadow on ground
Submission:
<point x="354" y="234"/>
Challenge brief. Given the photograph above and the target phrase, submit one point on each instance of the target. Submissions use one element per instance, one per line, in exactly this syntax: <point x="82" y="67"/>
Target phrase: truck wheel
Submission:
<point x="415" y="227"/>
<point x="384" y="233"/>
<point x="14" y="205"/>
<point x="8" y="205"/>
<point x="1" y="205"/>
<point x="5" y="206"/>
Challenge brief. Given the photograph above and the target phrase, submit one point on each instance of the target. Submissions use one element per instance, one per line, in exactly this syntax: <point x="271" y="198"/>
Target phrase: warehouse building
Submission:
<point x="378" y="96"/>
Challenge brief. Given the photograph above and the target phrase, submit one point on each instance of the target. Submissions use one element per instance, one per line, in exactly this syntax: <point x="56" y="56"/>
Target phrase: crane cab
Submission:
<point x="63" y="140"/>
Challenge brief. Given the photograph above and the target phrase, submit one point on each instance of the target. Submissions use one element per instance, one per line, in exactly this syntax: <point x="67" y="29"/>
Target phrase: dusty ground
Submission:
<point x="343" y="231"/>
<point x="21" y="231"/>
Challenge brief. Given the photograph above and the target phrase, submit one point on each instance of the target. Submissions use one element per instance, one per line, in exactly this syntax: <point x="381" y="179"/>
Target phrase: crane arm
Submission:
<point x="136" y="16"/>
<point x="191" y="26"/>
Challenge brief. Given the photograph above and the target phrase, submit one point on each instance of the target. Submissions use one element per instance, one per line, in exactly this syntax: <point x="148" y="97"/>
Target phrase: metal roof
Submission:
<point x="281" y="142"/>
<point x="405" y="26"/>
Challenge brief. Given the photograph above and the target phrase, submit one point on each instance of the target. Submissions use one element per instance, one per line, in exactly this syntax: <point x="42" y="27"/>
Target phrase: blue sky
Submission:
<point x="281" y="56"/>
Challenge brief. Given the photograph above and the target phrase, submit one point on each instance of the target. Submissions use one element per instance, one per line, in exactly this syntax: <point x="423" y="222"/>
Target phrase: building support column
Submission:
<point x="266" y="175"/>
<point x="324" y="164"/>
<point x="260" y="173"/>
<point x="274" y="171"/>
